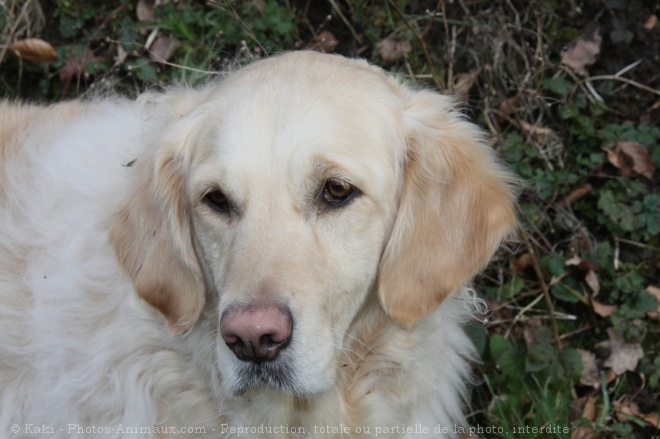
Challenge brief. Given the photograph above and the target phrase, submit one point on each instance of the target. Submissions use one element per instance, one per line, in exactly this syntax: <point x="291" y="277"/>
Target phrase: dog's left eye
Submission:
<point x="217" y="201"/>
<point x="337" y="191"/>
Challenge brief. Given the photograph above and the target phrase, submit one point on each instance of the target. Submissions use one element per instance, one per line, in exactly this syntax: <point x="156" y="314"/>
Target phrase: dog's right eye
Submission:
<point x="338" y="192"/>
<point x="217" y="201"/>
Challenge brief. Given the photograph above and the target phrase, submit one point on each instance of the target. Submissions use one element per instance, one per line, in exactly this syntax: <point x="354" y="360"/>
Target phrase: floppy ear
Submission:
<point x="456" y="205"/>
<point x="152" y="236"/>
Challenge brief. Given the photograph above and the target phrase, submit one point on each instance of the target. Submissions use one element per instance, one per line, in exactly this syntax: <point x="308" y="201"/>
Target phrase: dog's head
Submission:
<point x="289" y="193"/>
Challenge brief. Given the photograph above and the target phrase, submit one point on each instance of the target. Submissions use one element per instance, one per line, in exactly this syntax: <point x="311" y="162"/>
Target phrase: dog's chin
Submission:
<point x="273" y="376"/>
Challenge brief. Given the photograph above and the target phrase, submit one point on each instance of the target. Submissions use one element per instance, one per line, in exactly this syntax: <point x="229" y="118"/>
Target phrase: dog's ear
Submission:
<point x="152" y="234"/>
<point x="455" y="207"/>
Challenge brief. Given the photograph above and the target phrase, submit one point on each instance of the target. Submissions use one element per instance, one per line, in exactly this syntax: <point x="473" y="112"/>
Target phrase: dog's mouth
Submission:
<point x="276" y="374"/>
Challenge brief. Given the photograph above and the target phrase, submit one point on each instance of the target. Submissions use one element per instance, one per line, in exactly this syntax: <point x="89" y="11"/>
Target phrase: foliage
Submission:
<point x="588" y="256"/>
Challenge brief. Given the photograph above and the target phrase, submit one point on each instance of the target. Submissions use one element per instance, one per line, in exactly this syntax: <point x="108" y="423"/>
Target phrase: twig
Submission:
<point x="237" y="17"/>
<point x="190" y="69"/>
<point x="638" y="244"/>
<point x="622" y="79"/>
<point x="450" y="55"/>
<point x="429" y="62"/>
<point x="594" y="93"/>
<point x="544" y="288"/>
<point x="336" y="8"/>
<point x="577" y="331"/>
<point x="17" y="21"/>
<point x="87" y="49"/>
<point x="628" y="68"/>
<point x="522" y="312"/>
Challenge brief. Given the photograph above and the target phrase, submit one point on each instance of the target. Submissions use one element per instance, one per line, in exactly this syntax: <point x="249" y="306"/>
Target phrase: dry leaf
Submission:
<point x="590" y="373"/>
<point x="650" y="22"/>
<point x="522" y="262"/>
<point x="610" y="375"/>
<point x="260" y="6"/>
<point x="391" y="50"/>
<point x="576" y="194"/>
<point x="162" y="49"/>
<point x="631" y="157"/>
<point x="76" y="67"/>
<point x="623" y="356"/>
<point x="121" y="54"/>
<point x="540" y="134"/>
<point x="531" y="331"/>
<point x="575" y="261"/>
<point x="583" y="433"/>
<point x="463" y="84"/>
<point x="145" y="10"/>
<point x="592" y="280"/>
<point x="583" y="51"/>
<point x="628" y="408"/>
<point x="509" y="106"/>
<point x="652" y="108"/>
<point x="654" y="315"/>
<point x="324" y="42"/>
<point x="33" y="50"/>
<point x="589" y="411"/>
<point x="603" y="310"/>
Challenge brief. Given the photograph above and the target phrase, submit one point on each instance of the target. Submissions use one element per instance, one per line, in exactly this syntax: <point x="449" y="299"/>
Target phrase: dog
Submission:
<point x="285" y="252"/>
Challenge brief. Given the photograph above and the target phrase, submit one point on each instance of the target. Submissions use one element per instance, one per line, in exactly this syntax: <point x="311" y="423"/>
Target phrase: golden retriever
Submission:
<point x="284" y="253"/>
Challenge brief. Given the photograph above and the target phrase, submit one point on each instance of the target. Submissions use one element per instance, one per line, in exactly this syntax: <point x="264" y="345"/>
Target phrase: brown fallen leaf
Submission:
<point x="591" y="278"/>
<point x="630" y="158"/>
<point x="541" y="134"/>
<point x="589" y="411"/>
<point x="162" y="49"/>
<point x="509" y="106"/>
<point x="627" y="408"/>
<point x="583" y="433"/>
<point x="590" y="373"/>
<point x="623" y="356"/>
<point x="463" y="84"/>
<point x="652" y="108"/>
<point x="583" y="51"/>
<point x="522" y="262"/>
<point x="33" y="50"/>
<point x="651" y="22"/>
<point x="576" y="194"/>
<point x="75" y="67"/>
<point x="531" y="331"/>
<point x="391" y="50"/>
<point x="610" y="375"/>
<point x="324" y="42"/>
<point x="655" y="314"/>
<point x="578" y="262"/>
<point x="145" y="10"/>
<point x="602" y="309"/>
<point x="260" y="6"/>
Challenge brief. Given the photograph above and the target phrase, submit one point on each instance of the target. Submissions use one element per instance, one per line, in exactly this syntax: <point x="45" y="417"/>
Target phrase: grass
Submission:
<point x="588" y="259"/>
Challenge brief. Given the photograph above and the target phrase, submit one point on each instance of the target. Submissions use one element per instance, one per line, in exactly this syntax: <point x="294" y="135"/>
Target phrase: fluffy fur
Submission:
<point x="115" y="270"/>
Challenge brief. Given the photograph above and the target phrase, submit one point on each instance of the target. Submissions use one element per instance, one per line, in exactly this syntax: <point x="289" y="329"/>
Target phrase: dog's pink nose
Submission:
<point x="256" y="332"/>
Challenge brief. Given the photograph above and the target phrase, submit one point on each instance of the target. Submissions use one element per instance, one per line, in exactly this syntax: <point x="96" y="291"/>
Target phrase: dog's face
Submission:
<point x="296" y="198"/>
<point x="292" y="191"/>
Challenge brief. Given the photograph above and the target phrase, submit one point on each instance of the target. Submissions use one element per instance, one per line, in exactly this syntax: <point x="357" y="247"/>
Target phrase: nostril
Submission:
<point x="270" y="342"/>
<point x="256" y="332"/>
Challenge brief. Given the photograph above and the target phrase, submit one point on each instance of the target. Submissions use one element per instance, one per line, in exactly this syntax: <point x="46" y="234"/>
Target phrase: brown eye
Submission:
<point x="337" y="192"/>
<point x="217" y="201"/>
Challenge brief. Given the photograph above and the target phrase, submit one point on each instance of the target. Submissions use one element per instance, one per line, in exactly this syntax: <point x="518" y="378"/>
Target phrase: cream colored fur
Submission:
<point x="115" y="270"/>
